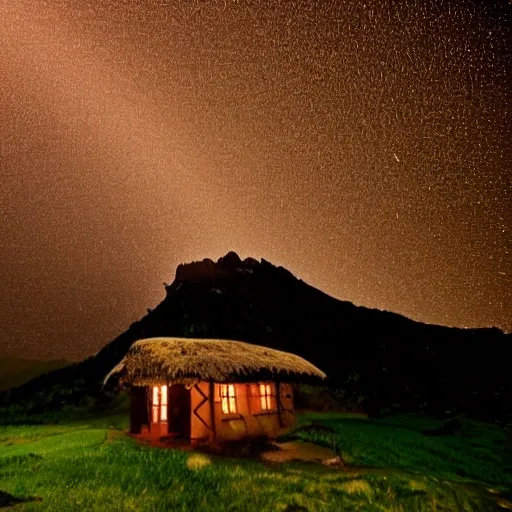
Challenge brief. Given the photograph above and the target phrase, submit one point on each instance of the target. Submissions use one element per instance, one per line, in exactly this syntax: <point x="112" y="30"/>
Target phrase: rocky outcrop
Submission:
<point x="225" y="268"/>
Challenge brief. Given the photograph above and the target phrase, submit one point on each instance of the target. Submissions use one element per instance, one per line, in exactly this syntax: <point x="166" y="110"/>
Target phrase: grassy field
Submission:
<point x="92" y="465"/>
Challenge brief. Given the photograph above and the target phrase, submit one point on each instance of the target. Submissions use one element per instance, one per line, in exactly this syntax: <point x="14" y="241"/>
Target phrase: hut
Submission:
<point x="201" y="390"/>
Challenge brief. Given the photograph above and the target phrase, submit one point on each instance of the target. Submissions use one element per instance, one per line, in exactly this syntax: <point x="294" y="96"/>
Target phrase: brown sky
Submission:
<point x="364" y="145"/>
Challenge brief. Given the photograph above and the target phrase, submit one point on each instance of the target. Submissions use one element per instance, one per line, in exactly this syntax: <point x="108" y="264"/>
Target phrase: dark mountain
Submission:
<point x="384" y="359"/>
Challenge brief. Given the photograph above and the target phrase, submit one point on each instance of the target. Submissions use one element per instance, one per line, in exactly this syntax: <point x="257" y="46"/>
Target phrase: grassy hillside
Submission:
<point x="91" y="465"/>
<point x="15" y="371"/>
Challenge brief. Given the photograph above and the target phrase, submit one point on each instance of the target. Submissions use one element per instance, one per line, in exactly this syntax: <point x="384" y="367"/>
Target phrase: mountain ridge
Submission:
<point x="384" y="359"/>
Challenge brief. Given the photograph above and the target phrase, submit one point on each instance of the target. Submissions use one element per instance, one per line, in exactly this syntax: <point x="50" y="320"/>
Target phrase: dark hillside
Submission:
<point x="15" y="371"/>
<point x="383" y="359"/>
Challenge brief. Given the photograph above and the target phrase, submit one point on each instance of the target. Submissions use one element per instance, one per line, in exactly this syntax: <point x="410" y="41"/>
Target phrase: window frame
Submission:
<point x="266" y="397"/>
<point x="159" y="404"/>
<point x="228" y="398"/>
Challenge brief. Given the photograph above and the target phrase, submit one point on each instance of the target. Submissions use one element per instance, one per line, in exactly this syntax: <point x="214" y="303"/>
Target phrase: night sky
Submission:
<point x="365" y="145"/>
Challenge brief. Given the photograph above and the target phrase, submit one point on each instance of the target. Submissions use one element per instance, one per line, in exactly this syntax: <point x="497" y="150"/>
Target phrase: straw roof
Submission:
<point x="156" y="361"/>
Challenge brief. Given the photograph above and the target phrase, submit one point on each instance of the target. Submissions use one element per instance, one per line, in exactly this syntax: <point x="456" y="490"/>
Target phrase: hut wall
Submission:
<point x="287" y="411"/>
<point x="158" y="430"/>
<point x="250" y="420"/>
<point x="200" y="422"/>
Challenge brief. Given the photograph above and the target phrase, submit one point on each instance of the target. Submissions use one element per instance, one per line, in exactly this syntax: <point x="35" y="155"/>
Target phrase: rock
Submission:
<point x="230" y="260"/>
<point x="335" y="461"/>
<point x="207" y="269"/>
<point x="299" y="450"/>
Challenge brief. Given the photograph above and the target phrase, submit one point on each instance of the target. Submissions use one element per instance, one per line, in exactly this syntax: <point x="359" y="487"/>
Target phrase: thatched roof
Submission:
<point x="155" y="361"/>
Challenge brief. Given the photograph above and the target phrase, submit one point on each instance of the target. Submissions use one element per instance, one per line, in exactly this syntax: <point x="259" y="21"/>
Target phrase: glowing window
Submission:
<point x="156" y="401"/>
<point x="159" y="404"/>
<point x="228" y="398"/>
<point x="163" y="403"/>
<point x="265" y="397"/>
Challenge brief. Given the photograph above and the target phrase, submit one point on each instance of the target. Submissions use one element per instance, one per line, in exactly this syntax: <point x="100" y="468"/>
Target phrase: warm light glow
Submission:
<point x="163" y="403"/>
<point x="228" y="398"/>
<point x="155" y="404"/>
<point x="265" y="397"/>
<point x="413" y="163"/>
<point x="159" y="409"/>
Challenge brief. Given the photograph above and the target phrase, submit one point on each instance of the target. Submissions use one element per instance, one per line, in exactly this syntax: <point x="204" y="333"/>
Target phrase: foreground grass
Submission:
<point x="89" y="466"/>
<point x="478" y="453"/>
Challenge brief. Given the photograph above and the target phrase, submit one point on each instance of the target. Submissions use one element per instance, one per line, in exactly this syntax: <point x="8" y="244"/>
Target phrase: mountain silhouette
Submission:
<point x="384" y="360"/>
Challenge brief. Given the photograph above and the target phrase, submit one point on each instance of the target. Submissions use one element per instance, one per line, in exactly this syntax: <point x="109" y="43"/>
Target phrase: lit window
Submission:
<point x="156" y="401"/>
<point x="163" y="403"/>
<point x="159" y="404"/>
<point x="265" y="397"/>
<point x="228" y="399"/>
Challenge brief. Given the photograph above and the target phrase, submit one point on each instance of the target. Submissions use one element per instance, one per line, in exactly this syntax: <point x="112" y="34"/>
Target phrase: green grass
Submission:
<point x="86" y="465"/>
<point x="479" y="453"/>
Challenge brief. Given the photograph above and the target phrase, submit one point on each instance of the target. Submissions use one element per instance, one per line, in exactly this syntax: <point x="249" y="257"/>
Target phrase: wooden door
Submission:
<point x="139" y="414"/>
<point x="179" y="411"/>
